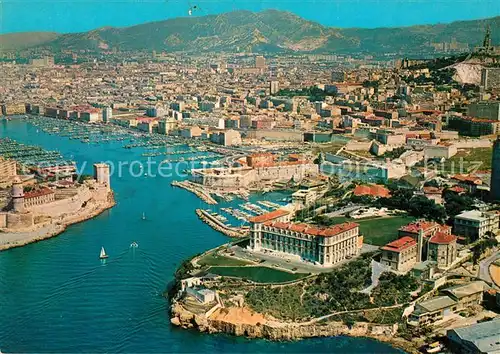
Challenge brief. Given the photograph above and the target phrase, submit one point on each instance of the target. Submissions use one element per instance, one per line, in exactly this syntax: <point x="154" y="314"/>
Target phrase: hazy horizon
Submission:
<point x="84" y="15"/>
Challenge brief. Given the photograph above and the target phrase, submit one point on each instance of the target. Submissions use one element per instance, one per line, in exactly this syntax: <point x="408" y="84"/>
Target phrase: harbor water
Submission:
<point x="57" y="296"/>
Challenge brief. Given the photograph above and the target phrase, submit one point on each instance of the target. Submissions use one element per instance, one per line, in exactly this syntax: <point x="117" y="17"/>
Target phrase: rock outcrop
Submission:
<point x="278" y="331"/>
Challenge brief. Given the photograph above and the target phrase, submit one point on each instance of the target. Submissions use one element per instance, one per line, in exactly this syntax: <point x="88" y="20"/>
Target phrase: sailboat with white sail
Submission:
<point x="103" y="254"/>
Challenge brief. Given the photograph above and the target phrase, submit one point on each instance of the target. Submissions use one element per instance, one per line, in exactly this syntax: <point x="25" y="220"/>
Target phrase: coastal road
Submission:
<point x="484" y="267"/>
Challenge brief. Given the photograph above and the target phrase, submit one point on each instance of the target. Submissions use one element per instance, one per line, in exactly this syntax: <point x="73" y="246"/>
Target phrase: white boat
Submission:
<point x="134" y="245"/>
<point x="103" y="254"/>
<point x="435" y="347"/>
<point x="143" y="216"/>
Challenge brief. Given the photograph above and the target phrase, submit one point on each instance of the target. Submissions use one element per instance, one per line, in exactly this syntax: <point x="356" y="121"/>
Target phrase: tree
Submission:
<point x="456" y="204"/>
<point x="319" y="160"/>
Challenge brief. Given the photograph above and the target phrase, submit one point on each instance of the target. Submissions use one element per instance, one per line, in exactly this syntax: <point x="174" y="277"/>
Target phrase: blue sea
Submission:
<point x="56" y="296"/>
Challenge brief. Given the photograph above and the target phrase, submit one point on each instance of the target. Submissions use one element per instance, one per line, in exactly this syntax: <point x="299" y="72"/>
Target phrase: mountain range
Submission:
<point x="265" y="31"/>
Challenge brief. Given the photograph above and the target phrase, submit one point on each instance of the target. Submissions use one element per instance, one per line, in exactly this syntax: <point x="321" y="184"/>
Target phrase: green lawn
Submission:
<point x="213" y="259"/>
<point x="256" y="274"/>
<point x="466" y="160"/>
<point x="379" y="231"/>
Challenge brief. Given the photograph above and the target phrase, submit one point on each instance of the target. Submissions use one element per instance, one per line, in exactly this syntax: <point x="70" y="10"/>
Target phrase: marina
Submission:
<point x="32" y="157"/>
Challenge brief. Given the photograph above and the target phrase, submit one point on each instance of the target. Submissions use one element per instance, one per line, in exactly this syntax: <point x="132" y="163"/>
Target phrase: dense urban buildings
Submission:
<point x="364" y="185"/>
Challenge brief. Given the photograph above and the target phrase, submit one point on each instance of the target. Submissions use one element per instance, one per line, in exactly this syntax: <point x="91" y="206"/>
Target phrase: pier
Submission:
<point x="199" y="191"/>
<point x="217" y="225"/>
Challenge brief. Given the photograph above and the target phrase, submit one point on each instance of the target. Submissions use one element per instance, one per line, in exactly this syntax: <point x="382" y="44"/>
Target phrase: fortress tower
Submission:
<point x="101" y="174"/>
<point x="18" y="195"/>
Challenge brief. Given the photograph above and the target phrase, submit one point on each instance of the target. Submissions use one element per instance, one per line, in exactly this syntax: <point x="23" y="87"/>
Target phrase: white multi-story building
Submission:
<point x="322" y="246"/>
<point x="107" y="114"/>
<point x="474" y="224"/>
<point x="274" y="87"/>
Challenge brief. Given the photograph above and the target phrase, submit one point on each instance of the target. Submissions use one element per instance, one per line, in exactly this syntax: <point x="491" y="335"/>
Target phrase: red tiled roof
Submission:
<point x="416" y="226"/>
<point x="400" y="244"/>
<point x="269" y="216"/>
<point x="442" y="238"/>
<point x="433" y="190"/>
<point x="38" y="193"/>
<point x="457" y="189"/>
<point x="314" y="230"/>
<point x="374" y="190"/>
<point x="467" y="178"/>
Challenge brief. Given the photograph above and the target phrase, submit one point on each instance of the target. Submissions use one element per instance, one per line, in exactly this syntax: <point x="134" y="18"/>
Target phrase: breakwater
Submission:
<point x="219" y="226"/>
<point x="198" y="190"/>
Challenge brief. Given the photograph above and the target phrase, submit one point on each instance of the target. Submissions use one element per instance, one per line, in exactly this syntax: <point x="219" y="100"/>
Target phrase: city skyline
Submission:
<point x="59" y="16"/>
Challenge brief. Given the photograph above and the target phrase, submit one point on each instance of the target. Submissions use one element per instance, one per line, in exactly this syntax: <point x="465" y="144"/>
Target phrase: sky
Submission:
<point x="83" y="15"/>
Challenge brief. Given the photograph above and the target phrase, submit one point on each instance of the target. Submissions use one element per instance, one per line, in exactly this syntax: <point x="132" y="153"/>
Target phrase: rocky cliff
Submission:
<point x="279" y="331"/>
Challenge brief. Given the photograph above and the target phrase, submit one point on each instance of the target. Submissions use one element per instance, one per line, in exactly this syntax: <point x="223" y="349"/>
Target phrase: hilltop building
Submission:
<point x="421" y="241"/>
<point x="322" y="246"/>
<point x="400" y="255"/>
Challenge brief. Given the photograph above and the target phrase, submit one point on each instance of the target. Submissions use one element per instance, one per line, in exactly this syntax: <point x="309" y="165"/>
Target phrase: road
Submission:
<point x="343" y="211"/>
<point x="484" y="266"/>
<point x="290" y="263"/>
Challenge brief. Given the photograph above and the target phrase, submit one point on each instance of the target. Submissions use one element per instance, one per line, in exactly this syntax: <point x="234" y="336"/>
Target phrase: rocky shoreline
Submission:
<point x="212" y="322"/>
<point x="54" y="228"/>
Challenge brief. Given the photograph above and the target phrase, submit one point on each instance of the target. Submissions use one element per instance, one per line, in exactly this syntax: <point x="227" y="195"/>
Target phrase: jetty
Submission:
<point x="218" y="225"/>
<point x="197" y="190"/>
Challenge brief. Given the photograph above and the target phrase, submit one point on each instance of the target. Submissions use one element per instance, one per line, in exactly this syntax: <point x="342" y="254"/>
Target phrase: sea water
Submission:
<point x="57" y="296"/>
